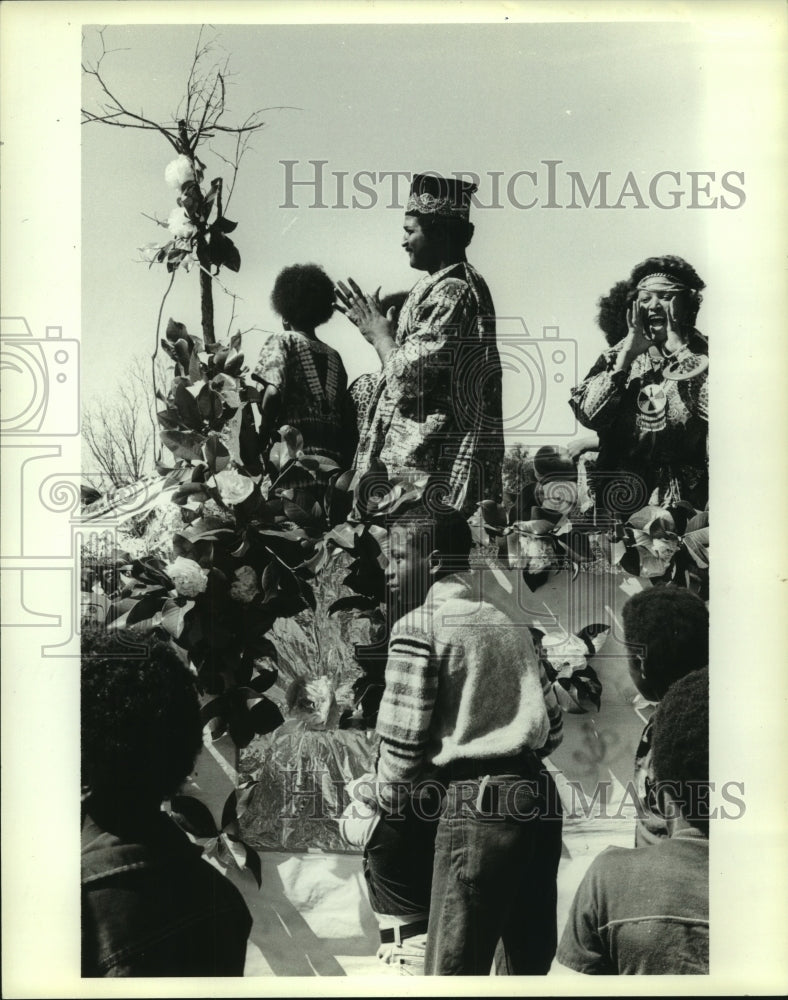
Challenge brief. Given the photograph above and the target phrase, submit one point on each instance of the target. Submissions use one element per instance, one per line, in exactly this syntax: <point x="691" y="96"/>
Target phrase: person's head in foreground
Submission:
<point x="681" y="753"/>
<point x="667" y="295"/>
<point x="303" y="296"/>
<point x="645" y="910"/>
<point x="151" y="906"/>
<point x="667" y="632"/>
<point x="437" y="228"/>
<point x="427" y="541"/>
<point x="140" y="724"/>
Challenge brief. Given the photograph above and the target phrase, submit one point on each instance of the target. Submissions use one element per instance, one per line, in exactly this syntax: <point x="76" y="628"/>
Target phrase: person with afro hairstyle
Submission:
<point x="647" y="396"/>
<point x="667" y="633"/>
<point x="646" y="911"/>
<point x="151" y="906"/>
<point x="305" y="380"/>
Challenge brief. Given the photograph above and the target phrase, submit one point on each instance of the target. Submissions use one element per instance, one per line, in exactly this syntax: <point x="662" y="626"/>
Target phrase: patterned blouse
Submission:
<point x="652" y="423"/>
<point x="312" y="383"/>
<point x="437" y="405"/>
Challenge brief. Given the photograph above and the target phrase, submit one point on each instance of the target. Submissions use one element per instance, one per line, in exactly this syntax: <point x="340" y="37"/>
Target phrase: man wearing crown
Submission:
<point x="437" y="404"/>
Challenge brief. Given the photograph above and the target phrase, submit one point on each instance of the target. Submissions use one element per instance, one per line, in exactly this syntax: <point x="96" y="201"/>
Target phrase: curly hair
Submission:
<point x="141" y="728"/>
<point x="678" y="268"/>
<point x="446" y="229"/>
<point x="612" y="308"/>
<point x="303" y="296"/>
<point x="681" y="746"/>
<point x="668" y="628"/>
<point x="443" y="527"/>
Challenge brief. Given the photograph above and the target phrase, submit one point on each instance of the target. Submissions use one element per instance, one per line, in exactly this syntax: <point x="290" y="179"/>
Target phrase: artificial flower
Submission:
<point x="244" y="588"/>
<point x="179" y="172"/>
<point x="189" y="577"/>
<point x="233" y="487"/>
<point x="180" y="225"/>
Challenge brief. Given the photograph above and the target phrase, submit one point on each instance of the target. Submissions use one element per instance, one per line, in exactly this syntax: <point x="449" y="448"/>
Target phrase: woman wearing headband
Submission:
<point x="647" y="396"/>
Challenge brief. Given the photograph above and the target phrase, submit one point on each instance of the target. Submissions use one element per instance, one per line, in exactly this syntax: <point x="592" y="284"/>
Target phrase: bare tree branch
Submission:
<point x="113" y="429"/>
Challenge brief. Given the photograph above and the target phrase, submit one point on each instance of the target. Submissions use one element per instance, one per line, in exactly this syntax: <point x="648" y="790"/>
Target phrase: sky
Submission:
<point x="614" y="98"/>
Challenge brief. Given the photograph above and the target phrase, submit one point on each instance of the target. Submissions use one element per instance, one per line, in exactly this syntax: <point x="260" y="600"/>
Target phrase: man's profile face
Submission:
<point x="408" y="568"/>
<point x="416" y="244"/>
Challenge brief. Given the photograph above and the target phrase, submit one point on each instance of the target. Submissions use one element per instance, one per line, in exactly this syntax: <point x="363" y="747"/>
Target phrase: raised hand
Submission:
<point x="364" y="311"/>
<point x="636" y="341"/>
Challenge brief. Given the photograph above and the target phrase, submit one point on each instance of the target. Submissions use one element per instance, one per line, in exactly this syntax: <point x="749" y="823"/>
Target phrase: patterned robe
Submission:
<point x="312" y="382"/>
<point x="437" y="405"/>
<point x="650" y="428"/>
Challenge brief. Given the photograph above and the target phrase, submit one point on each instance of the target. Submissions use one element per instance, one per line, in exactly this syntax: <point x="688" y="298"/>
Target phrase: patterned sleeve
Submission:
<point x="694" y="393"/>
<point x="554" y="714"/>
<point x="596" y="400"/>
<point x="405" y="713"/>
<point x="425" y="356"/>
<point x="272" y="363"/>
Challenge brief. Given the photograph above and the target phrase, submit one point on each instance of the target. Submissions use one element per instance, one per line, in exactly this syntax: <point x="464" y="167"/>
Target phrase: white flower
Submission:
<point x="665" y="548"/>
<point x="233" y="487"/>
<point x="244" y="588"/>
<point x="534" y="553"/>
<point x="313" y="701"/>
<point x="566" y="653"/>
<point x="189" y="577"/>
<point x="180" y="225"/>
<point x="179" y="171"/>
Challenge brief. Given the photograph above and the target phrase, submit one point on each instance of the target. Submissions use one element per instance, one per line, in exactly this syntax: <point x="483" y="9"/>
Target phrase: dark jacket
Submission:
<point x="152" y="907"/>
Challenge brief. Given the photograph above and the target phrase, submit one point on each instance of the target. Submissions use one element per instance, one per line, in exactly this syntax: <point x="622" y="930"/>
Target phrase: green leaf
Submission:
<point x="169" y="420"/>
<point x="223" y="251"/>
<point x="149" y="569"/>
<point x="173" y="614"/>
<point x="229" y="812"/>
<point x="176" y="331"/>
<point x="193" y="816"/>
<point x="217" y="457"/>
<point x="174" y="259"/>
<point x="206" y="402"/>
<point x="190" y="493"/>
<point x="145" y="609"/>
<point x="187" y="407"/>
<point x="254" y="865"/>
<point x="195" y="371"/>
<point x="208" y="527"/>
<point x="356" y="602"/>
<point x="184" y="444"/>
<point x="266" y="717"/>
<point x="236" y="849"/>
<point x="279" y="456"/>
<point x="234" y="364"/>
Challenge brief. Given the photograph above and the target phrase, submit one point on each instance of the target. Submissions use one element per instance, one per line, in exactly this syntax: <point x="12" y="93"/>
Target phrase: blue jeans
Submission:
<point x="494" y="893"/>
